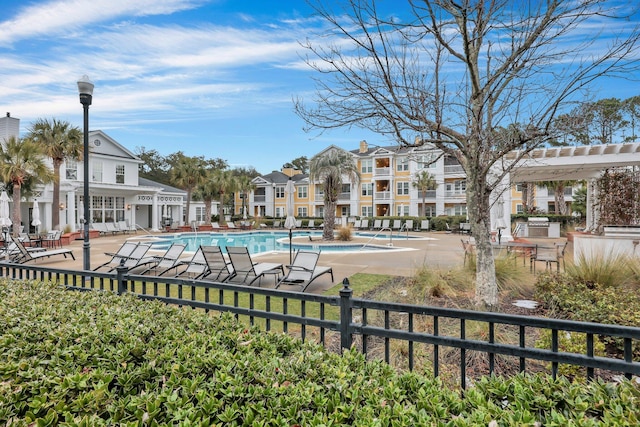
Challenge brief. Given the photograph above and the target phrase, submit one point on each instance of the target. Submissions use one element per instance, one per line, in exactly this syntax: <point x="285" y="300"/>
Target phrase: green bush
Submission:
<point x="97" y="359"/>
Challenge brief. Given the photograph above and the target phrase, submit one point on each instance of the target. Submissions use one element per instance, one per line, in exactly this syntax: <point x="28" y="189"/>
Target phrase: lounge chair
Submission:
<point x="193" y="268"/>
<point x="231" y="225"/>
<point x="298" y="223"/>
<point x="385" y="223"/>
<point x="364" y="225"/>
<point x="218" y="268"/>
<point x="111" y="228"/>
<point x="158" y="263"/>
<point x="136" y="258"/>
<point x="397" y="224"/>
<point x="357" y="224"/>
<point x="26" y="255"/>
<point x="377" y="224"/>
<point x="304" y="270"/>
<point x="424" y="225"/>
<point x="408" y="225"/>
<point x="100" y="227"/>
<point x="245" y="271"/>
<point x="311" y="223"/>
<point x="276" y="224"/>
<point x="124" y="251"/>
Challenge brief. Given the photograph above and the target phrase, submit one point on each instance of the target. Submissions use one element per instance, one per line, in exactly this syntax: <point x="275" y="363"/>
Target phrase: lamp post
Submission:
<point x="85" y="88"/>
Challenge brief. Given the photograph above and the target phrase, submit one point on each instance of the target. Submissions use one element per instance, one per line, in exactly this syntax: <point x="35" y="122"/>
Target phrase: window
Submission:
<point x="403" y="188"/>
<point x="403" y="210"/>
<point x="402" y="164"/>
<point x="302" y="211"/>
<point x="119" y="174"/>
<point x="97" y="171"/>
<point x="320" y="211"/>
<point x="456" y="187"/>
<point x="367" y="211"/>
<point x="71" y="169"/>
<point x="519" y="209"/>
<point x="457" y="210"/>
<point x="346" y="189"/>
<point x="519" y="187"/>
<point x="366" y="166"/>
<point x="200" y="213"/>
<point x="367" y="189"/>
<point x="345" y="211"/>
<point x="302" y="192"/>
<point x="279" y="212"/>
<point x="279" y="192"/>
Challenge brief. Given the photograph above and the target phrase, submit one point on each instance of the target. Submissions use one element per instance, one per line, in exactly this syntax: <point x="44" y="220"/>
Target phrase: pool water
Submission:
<point x="257" y="241"/>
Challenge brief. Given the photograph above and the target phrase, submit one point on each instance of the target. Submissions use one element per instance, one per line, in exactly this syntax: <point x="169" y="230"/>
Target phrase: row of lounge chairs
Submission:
<point x="364" y="224"/>
<point x="209" y="263"/>
<point x="113" y="227"/>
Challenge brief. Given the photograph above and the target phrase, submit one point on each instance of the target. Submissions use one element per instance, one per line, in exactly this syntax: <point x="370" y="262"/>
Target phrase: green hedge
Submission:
<point x="96" y="359"/>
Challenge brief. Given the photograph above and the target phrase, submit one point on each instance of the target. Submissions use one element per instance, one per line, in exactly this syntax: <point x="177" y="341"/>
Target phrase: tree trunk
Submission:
<point x="55" y="215"/>
<point x="329" y="219"/>
<point x="561" y="206"/>
<point x="207" y="211"/>
<point x="16" y="210"/>
<point x="479" y="216"/>
<point x="221" y="220"/>
<point x="424" y="204"/>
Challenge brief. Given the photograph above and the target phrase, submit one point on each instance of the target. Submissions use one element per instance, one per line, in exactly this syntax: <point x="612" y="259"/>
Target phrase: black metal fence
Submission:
<point x="408" y="336"/>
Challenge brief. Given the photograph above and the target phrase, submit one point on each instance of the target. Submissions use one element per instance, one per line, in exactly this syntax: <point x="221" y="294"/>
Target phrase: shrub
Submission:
<point x="604" y="269"/>
<point x="345" y="233"/>
<point x="571" y="342"/>
<point x="94" y="358"/>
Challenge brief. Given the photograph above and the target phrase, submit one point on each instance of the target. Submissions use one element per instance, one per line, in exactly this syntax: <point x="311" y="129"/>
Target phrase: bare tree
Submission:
<point x="502" y="62"/>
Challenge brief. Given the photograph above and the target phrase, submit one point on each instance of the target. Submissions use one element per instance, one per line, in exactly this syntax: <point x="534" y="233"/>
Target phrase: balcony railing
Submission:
<point x="429" y="194"/>
<point x="383" y="195"/>
<point x="319" y="197"/>
<point x="383" y="171"/>
<point x="455" y="194"/>
<point x="257" y="198"/>
<point x="453" y="169"/>
<point x="344" y="196"/>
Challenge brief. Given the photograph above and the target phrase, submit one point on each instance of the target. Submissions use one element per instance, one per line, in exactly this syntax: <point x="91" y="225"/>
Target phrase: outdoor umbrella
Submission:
<point x="290" y="222"/>
<point x="5" y="220"/>
<point x="36" y="216"/>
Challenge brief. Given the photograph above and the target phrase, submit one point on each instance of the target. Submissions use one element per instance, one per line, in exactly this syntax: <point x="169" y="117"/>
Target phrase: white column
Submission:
<point x="71" y="210"/>
<point x="155" y="222"/>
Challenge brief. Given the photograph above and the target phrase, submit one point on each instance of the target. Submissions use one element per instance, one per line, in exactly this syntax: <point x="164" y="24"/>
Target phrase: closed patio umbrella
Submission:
<point x="290" y="222"/>
<point x="36" y="216"/>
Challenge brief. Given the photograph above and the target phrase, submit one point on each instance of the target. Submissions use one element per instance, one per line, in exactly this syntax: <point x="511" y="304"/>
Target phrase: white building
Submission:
<point x="116" y="191"/>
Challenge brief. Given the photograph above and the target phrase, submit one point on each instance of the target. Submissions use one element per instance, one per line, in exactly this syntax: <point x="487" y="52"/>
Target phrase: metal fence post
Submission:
<point x="346" y="293"/>
<point x="121" y="271"/>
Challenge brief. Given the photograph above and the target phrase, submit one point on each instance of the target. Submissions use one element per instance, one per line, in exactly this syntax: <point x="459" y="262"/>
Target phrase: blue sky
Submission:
<point x="208" y="77"/>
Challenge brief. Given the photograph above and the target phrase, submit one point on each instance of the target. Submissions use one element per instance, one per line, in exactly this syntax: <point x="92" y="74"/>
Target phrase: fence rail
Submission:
<point x="422" y="332"/>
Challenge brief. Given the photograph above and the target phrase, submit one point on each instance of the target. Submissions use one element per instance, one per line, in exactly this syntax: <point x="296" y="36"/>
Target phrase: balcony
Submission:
<point x="455" y="195"/>
<point x="259" y="198"/>
<point x="318" y="197"/>
<point x="383" y="195"/>
<point x="453" y="169"/>
<point x="429" y="194"/>
<point x="344" y="196"/>
<point x="383" y="171"/>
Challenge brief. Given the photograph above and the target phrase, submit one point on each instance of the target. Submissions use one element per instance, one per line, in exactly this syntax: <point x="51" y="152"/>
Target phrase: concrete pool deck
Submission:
<point x="439" y="249"/>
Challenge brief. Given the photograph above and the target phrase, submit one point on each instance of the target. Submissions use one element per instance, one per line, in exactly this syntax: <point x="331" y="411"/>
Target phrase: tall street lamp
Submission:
<point x="85" y="88"/>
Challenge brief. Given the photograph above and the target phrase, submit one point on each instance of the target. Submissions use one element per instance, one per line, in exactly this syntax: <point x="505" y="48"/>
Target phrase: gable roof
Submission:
<point x="101" y="143"/>
<point x="165" y="188"/>
<point x="277" y="177"/>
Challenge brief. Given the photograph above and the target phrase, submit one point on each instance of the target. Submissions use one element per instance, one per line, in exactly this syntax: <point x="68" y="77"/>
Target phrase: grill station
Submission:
<point x="541" y="227"/>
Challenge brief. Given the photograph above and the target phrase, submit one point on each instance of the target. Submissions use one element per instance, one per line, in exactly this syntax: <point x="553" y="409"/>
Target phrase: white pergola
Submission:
<point x="584" y="162"/>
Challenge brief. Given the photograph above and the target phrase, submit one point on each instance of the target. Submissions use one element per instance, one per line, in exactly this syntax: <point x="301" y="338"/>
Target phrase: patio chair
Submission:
<point x="157" y="263"/>
<point x="245" y="271"/>
<point x="53" y="239"/>
<point x="124" y="251"/>
<point x="304" y="270"/>
<point x="467" y="247"/>
<point x="549" y="255"/>
<point x="26" y="255"/>
<point x="218" y="268"/>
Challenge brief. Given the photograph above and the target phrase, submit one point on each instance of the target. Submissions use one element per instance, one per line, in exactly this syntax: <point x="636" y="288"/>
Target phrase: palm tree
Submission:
<point x="22" y="160"/>
<point x="558" y="194"/>
<point x="329" y="168"/>
<point x="60" y="141"/>
<point x="188" y="173"/>
<point x="424" y="181"/>
<point x="226" y="183"/>
<point x="207" y="190"/>
<point x="244" y="186"/>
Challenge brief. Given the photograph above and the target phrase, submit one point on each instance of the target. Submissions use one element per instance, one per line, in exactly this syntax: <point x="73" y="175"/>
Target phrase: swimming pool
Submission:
<point x="263" y="241"/>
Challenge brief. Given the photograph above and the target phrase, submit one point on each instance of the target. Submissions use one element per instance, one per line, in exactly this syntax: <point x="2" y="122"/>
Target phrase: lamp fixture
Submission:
<point x="128" y="207"/>
<point x="62" y="206"/>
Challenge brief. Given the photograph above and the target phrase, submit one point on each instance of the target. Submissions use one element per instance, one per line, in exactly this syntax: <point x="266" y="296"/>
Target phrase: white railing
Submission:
<point x="383" y="195"/>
